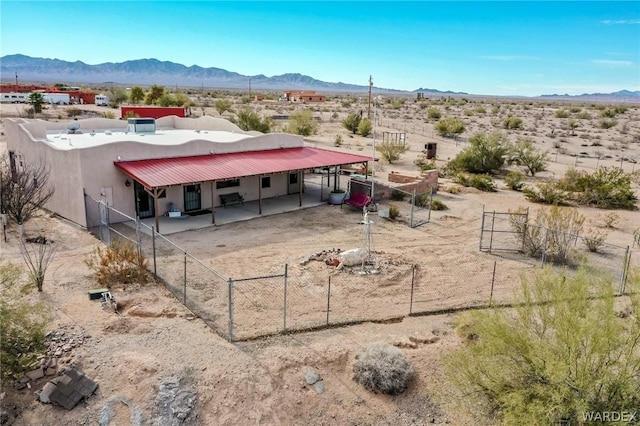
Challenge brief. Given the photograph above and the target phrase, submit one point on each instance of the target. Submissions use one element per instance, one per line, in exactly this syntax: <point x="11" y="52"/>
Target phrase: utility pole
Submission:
<point x="370" y="86"/>
<point x="16" y="82"/>
<point x="249" y="87"/>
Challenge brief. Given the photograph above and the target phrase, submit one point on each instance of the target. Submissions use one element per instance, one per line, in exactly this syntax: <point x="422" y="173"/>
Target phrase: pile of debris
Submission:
<point x="62" y="341"/>
<point x="322" y="256"/>
<point x="68" y="389"/>
<point x="59" y="345"/>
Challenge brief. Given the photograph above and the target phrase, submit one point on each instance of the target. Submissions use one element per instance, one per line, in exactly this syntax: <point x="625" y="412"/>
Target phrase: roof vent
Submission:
<point x="73" y="128"/>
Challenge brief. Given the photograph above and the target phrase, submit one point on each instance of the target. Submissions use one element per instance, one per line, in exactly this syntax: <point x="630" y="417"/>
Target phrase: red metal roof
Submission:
<point x="201" y="168"/>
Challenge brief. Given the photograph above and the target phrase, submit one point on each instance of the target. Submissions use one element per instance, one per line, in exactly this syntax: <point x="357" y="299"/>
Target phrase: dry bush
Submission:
<point x="119" y="264"/>
<point x="394" y="212"/>
<point x="594" y="239"/>
<point x="381" y="367"/>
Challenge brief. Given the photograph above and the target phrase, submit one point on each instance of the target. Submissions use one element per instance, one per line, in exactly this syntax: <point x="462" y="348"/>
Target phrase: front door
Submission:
<point x="192" y="197"/>
<point x="144" y="201"/>
<point x="294" y="186"/>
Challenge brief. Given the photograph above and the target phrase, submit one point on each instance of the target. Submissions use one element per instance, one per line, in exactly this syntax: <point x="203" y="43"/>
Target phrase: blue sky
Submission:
<point x="492" y="48"/>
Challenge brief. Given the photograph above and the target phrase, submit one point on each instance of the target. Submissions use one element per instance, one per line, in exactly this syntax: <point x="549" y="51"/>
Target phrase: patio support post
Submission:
<point x="213" y="203"/>
<point x="260" y="194"/>
<point x="155" y="208"/>
<point x="300" y="177"/>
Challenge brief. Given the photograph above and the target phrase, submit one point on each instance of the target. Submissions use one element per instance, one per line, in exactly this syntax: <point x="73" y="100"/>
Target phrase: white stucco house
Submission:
<point x="148" y="166"/>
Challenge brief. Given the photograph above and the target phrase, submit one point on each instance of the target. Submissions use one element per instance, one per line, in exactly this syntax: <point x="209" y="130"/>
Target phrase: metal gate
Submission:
<point x="498" y="231"/>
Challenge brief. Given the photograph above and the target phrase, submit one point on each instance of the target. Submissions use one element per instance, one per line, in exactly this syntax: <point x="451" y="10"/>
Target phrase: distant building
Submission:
<point x="153" y="111"/>
<point x="303" y="96"/>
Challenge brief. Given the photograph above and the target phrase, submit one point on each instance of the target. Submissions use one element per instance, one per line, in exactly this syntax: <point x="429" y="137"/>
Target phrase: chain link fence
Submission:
<point x="308" y="297"/>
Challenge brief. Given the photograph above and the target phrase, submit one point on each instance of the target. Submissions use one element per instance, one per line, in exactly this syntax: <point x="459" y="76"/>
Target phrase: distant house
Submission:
<point x="303" y="96"/>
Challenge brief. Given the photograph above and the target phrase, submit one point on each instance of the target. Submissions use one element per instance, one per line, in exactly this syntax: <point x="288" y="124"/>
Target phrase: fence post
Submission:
<point x="153" y="245"/>
<point x="413" y="279"/>
<point x="413" y="206"/>
<point x="138" y="240"/>
<point x="481" y="228"/>
<point x="430" y="203"/>
<point x="625" y="270"/>
<point x="284" y="314"/>
<point x="493" y="221"/>
<point x="185" y="279"/>
<point x="493" y="280"/>
<point x="328" y="299"/>
<point x="230" y="293"/>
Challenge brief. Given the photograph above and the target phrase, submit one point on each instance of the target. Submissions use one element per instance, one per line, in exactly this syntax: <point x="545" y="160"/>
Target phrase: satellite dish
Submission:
<point x="73" y="127"/>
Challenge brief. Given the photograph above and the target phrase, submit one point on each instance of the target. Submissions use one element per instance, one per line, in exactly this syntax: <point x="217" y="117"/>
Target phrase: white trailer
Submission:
<point x="14" y="98"/>
<point x="102" y="100"/>
<point x="56" y="98"/>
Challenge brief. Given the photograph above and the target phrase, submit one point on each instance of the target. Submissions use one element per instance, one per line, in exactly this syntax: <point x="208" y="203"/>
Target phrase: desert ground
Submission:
<point x="157" y="359"/>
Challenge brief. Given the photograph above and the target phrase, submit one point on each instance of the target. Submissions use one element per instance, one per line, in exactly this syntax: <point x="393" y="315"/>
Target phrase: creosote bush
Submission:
<point x="394" y="212"/>
<point x="119" y="264"/>
<point x="562" y="352"/>
<point x="482" y="182"/>
<point x="514" y="180"/>
<point x="381" y="367"/>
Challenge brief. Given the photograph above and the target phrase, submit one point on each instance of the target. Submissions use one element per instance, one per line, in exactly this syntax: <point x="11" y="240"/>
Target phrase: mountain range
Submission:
<point x="153" y="71"/>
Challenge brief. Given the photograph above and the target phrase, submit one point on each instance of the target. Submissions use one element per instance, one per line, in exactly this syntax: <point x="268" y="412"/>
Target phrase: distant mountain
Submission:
<point x="621" y="95"/>
<point x="438" y="92"/>
<point x="153" y="71"/>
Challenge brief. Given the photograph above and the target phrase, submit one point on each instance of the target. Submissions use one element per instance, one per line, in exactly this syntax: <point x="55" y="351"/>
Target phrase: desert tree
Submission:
<point x="351" y="122"/>
<point x="154" y="94"/>
<point x="365" y="127"/>
<point x="137" y="95"/>
<point x="222" y="105"/>
<point x="565" y="350"/>
<point x="449" y="127"/>
<point x="36" y="100"/>
<point x="391" y="151"/>
<point x="525" y="154"/>
<point x="24" y="190"/>
<point x="247" y="120"/>
<point x="117" y="95"/>
<point x="37" y="254"/>
<point x="167" y="100"/>
<point x="487" y="153"/>
<point x="301" y="122"/>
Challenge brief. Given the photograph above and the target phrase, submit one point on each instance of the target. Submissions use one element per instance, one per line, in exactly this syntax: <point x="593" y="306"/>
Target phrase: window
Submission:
<point x="227" y="183"/>
<point x="266" y="182"/>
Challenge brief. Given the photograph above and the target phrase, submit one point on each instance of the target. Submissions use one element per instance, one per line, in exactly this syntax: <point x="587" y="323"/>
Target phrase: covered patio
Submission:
<point x="156" y="175"/>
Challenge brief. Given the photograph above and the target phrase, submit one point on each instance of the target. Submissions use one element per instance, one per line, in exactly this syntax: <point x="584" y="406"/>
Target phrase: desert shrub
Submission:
<point x="606" y="188"/>
<point x="248" y="120"/>
<point x="364" y="127"/>
<point x="108" y="114"/>
<point x="545" y="192"/>
<point x="434" y="113"/>
<point x="394" y="212"/>
<point x="381" y="367"/>
<point x="452" y="189"/>
<point x="583" y="115"/>
<point x="437" y="204"/>
<point x="557" y="356"/>
<point x="575" y="109"/>
<point x="620" y="109"/>
<point x="512" y="123"/>
<point x="119" y="264"/>
<point x="338" y="140"/>
<point x="480" y="109"/>
<point x="301" y="122"/>
<point x="449" y="127"/>
<point x="398" y="195"/>
<point x="23" y="324"/>
<point x="425" y="164"/>
<point x="391" y="151"/>
<point x="562" y="113"/>
<point x="421" y="200"/>
<point x="553" y="232"/>
<point x="37" y="256"/>
<point x="525" y="154"/>
<point x="609" y="220"/>
<point x="74" y="112"/>
<point x="594" y="239"/>
<point x="351" y="122"/>
<point x="607" y="124"/>
<point x="487" y="153"/>
<point x="468" y="112"/>
<point x="514" y="180"/>
<point x="608" y="113"/>
<point x="483" y="182"/>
